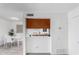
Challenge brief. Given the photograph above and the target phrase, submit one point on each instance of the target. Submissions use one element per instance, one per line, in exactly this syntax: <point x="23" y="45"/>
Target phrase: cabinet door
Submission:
<point x="38" y="45"/>
<point x="37" y="23"/>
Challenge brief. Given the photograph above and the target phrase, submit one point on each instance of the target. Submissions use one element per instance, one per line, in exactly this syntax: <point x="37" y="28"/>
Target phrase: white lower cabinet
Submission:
<point x="38" y="45"/>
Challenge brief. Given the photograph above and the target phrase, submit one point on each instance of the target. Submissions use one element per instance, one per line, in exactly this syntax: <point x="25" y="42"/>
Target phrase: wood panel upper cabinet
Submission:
<point x="37" y="23"/>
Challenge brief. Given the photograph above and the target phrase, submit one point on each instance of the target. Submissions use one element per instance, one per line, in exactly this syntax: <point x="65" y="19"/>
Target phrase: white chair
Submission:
<point x="1" y="41"/>
<point x="7" y="40"/>
<point x="18" y="39"/>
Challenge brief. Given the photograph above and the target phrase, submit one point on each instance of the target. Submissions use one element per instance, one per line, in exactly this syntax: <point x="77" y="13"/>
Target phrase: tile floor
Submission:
<point x="12" y="51"/>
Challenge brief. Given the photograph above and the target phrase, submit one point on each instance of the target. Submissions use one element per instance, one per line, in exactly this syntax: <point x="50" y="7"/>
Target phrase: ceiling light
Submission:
<point x="14" y="18"/>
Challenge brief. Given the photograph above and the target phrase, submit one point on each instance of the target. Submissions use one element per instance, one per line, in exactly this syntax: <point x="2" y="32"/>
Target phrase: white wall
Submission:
<point x="5" y="26"/>
<point x="73" y="31"/>
<point x="14" y="25"/>
<point x="59" y="36"/>
<point x="59" y="40"/>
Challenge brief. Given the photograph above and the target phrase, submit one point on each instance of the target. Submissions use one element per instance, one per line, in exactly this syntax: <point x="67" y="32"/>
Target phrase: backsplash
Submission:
<point x="37" y="32"/>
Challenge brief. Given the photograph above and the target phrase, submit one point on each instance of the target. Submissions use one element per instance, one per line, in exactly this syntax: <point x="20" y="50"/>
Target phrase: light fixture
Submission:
<point x="14" y="18"/>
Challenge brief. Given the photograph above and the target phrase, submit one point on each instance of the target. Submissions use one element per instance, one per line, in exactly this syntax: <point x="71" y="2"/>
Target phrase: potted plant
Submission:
<point x="11" y="32"/>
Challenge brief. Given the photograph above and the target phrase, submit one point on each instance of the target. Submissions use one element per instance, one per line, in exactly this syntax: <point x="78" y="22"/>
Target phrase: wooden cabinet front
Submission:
<point x="37" y="23"/>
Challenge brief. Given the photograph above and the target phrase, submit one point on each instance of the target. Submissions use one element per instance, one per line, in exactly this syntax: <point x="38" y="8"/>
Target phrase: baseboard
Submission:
<point x="37" y="53"/>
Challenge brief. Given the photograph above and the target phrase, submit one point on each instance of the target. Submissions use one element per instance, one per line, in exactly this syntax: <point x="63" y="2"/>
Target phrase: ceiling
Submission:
<point x="53" y="7"/>
<point x="17" y="9"/>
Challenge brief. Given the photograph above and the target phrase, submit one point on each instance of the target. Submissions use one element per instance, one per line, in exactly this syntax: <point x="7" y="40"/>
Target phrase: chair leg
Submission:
<point x="18" y="44"/>
<point x="5" y="45"/>
<point x="10" y="44"/>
